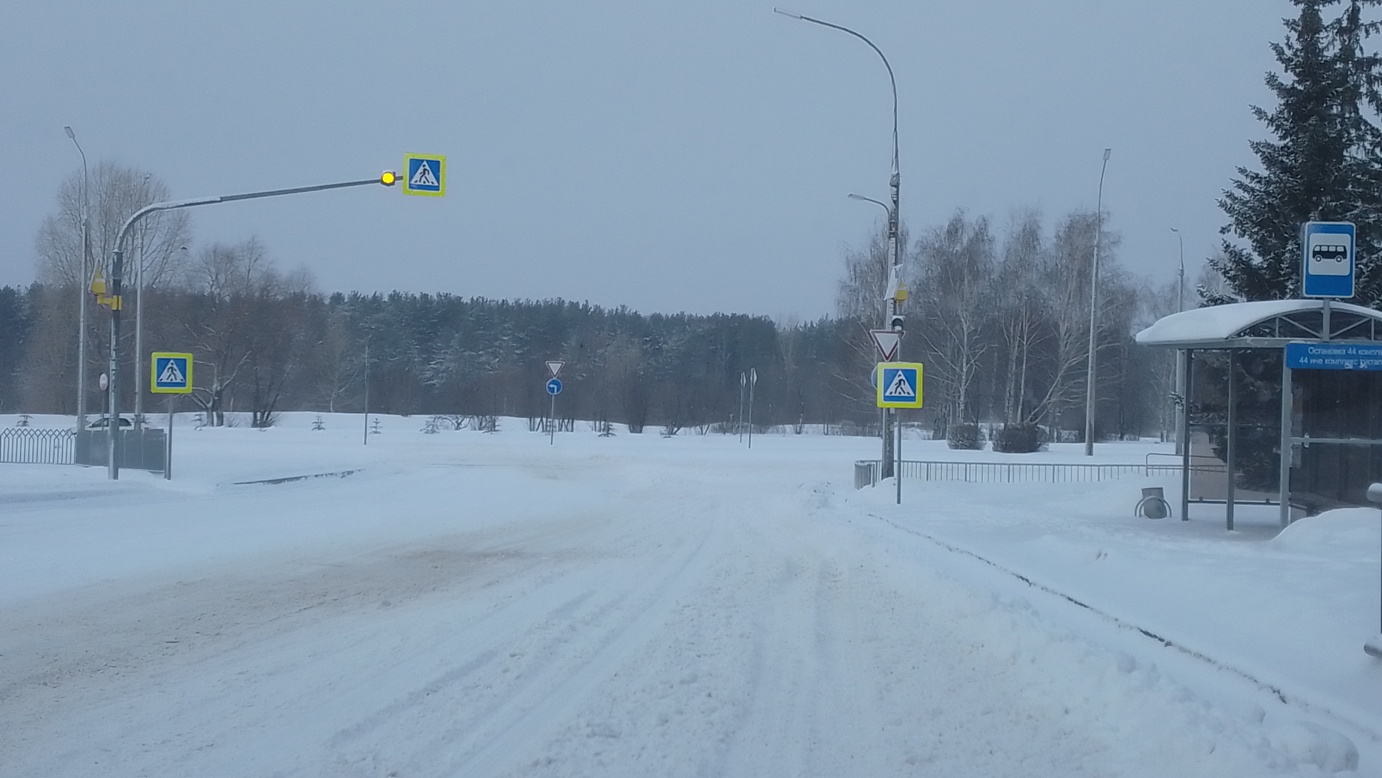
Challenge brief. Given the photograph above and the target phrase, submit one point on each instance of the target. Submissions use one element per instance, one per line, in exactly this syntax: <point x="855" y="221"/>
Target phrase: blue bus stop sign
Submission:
<point x="1328" y="261"/>
<point x="554" y="387"/>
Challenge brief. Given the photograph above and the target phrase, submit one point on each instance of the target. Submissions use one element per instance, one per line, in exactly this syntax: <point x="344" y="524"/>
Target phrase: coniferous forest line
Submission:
<point x="270" y="349"/>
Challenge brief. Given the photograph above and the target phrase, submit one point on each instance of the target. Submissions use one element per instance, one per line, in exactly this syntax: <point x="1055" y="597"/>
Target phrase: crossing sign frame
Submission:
<point x="899" y="384"/>
<point x="170" y="372"/>
<point x="424" y="174"/>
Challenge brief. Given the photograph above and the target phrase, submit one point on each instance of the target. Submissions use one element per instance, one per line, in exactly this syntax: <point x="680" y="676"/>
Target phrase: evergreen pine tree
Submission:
<point x="1322" y="164"/>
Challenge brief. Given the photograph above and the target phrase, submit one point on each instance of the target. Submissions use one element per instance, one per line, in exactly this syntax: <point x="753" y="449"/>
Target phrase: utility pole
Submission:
<point x="83" y="279"/>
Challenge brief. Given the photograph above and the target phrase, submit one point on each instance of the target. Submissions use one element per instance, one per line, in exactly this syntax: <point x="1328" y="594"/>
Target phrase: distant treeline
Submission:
<point x="263" y="346"/>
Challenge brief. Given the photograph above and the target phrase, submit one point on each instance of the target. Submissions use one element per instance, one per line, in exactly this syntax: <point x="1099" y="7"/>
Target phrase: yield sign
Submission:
<point x="886" y="341"/>
<point x="554" y="367"/>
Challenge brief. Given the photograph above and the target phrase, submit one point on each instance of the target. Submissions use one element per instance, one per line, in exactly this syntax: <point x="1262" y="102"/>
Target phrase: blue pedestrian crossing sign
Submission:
<point x="171" y="373"/>
<point x="899" y="384"/>
<point x="425" y="174"/>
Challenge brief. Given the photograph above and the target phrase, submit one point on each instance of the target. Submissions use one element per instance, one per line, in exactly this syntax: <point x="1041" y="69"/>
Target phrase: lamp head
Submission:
<point x="786" y="13"/>
<point x="1107" y="152"/>
<point x="68" y="129"/>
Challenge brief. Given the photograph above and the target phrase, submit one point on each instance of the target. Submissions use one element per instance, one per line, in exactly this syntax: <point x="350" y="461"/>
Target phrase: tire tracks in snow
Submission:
<point x="524" y="668"/>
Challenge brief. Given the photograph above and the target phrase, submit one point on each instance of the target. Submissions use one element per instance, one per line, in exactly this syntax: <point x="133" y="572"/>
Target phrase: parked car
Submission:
<point x="104" y="422"/>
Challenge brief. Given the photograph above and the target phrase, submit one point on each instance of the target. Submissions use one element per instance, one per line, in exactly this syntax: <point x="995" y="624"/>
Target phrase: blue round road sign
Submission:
<point x="554" y="387"/>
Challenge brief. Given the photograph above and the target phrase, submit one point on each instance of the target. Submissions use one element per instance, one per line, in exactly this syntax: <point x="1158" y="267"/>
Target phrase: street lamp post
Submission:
<point x="117" y="264"/>
<point x="894" y="184"/>
<point x="83" y="277"/>
<point x="139" y="323"/>
<point x="1093" y="314"/>
<point x="886" y="412"/>
<point x="1180" y="368"/>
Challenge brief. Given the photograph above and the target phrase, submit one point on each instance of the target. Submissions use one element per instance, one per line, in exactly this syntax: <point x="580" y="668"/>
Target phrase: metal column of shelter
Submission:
<point x="1286" y="449"/>
<point x="1185" y="357"/>
<point x="1231" y="439"/>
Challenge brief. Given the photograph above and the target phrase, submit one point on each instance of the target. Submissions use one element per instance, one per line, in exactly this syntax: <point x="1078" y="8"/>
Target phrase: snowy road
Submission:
<point x="551" y="614"/>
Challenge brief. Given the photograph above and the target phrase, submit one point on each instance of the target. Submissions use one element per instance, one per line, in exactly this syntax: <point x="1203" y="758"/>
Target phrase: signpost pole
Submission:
<point x="366" y="432"/>
<point x="168" y="443"/>
<point x="899" y="385"/>
<point x="897" y="469"/>
<point x="554" y="367"/>
<point x="170" y="373"/>
<point x="753" y="381"/>
<point x="743" y="382"/>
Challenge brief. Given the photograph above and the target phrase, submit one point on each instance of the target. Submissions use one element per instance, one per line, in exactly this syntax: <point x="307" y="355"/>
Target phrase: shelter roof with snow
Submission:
<point x="1262" y="324"/>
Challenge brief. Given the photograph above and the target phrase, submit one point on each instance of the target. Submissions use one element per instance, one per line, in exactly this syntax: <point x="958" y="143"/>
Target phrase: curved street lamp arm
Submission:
<point x="887" y="208"/>
<point x="891" y="79"/>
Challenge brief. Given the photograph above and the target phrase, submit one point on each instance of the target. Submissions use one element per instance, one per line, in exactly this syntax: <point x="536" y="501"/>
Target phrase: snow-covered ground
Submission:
<point x="492" y="605"/>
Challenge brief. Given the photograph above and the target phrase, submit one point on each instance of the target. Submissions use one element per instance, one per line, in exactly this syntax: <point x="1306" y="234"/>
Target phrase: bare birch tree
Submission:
<point x="1021" y="310"/>
<point x="1065" y="284"/>
<point x="955" y="292"/>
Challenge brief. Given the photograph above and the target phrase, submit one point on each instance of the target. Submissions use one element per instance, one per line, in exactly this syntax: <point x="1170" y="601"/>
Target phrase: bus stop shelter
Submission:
<point x="1314" y="365"/>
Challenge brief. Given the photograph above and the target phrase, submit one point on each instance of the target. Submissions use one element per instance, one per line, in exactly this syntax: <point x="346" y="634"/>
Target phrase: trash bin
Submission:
<point x="1153" y="504"/>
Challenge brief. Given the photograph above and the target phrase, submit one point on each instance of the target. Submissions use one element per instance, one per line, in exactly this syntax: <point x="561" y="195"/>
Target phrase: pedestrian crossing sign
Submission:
<point x="425" y="174"/>
<point x="899" y="384"/>
<point x="171" y="373"/>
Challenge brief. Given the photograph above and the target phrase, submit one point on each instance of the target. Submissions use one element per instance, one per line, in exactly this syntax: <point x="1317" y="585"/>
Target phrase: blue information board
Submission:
<point x="1334" y="356"/>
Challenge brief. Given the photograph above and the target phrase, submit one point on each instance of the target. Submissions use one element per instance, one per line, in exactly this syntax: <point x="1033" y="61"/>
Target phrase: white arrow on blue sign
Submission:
<point x="554" y="387"/>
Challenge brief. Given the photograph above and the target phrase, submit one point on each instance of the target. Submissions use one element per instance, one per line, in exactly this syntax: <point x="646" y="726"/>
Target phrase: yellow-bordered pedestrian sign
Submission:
<point x="170" y="372"/>
<point x="424" y="174"/>
<point x="899" y="384"/>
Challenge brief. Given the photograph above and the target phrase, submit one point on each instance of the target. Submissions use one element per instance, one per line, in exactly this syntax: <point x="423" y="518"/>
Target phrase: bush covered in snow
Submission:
<point x="1021" y="438"/>
<point x="965" y="436"/>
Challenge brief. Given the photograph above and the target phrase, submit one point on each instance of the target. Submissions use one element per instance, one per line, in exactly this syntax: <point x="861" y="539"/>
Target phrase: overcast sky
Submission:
<point x="690" y="156"/>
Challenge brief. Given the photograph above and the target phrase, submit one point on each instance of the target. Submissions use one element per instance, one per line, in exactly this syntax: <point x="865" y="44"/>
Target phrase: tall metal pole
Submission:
<point x="83" y="278"/>
<point x="1180" y="372"/>
<point x="117" y="266"/>
<point x="1093" y="314"/>
<point x="139" y="323"/>
<point x="894" y="183"/>
<point x="139" y="334"/>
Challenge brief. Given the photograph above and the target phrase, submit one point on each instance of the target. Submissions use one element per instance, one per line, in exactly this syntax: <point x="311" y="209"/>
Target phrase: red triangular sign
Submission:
<point x="886" y="341"/>
<point x="554" y="367"/>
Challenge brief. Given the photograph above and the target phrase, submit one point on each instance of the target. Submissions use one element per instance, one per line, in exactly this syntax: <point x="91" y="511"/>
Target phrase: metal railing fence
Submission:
<point x="37" y="446"/>
<point x="866" y="472"/>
